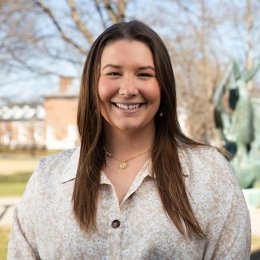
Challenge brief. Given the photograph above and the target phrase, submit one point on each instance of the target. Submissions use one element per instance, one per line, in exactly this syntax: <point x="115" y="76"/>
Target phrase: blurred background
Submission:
<point x="43" y="45"/>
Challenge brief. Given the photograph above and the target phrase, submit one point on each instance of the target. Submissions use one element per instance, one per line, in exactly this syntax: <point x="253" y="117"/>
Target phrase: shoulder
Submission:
<point x="49" y="172"/>
<point x="205" y="159"/>
<point x="56" y="167"/>
<point x="211" y="184"/>
<point x="204" y="154"/>
<point x="56" y="160"/>
<point x="208" y="169"/>
<point x="44" y="191"/>
<point x="47" y="176"/>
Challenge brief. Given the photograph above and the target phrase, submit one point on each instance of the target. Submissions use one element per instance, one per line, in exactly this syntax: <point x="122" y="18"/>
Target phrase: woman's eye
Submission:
<point x="145" y="75"/>
<point x="113" y="74"/>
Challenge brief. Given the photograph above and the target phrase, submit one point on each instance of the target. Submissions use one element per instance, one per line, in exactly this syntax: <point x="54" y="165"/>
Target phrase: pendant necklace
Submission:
<point x="123" y="164"/>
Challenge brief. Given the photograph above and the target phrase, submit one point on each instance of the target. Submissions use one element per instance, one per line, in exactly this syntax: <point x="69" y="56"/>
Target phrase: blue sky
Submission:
<point x="28" y="87"/>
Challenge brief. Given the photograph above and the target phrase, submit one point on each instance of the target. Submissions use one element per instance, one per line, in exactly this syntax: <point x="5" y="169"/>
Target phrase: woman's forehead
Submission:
<point x="125" y="51"/>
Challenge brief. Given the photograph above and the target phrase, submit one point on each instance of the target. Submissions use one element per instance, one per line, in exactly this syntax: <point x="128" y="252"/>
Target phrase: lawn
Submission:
<point x="14" y="175"/>
<point x="13" y="165"/>
<point x="15" y="172"/>
<point x="4" y="234"/>
<point x="13" y="184"/>
<point x="255" y="243"/>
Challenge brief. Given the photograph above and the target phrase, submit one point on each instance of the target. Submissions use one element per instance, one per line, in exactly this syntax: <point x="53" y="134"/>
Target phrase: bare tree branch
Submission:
<point x="79" y="23"/>
<point x="201" y="37"/>
<point x="99" y="10"/>
<point x="110" y="11"/>
<point x="20" y="60"/>
<point x="115" y="15"/>
<point x="48" y="11"/>
<point x="121" y="6"/>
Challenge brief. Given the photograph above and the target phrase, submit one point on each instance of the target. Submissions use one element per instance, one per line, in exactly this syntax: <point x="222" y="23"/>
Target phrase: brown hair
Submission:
<point x="168" y="135"/>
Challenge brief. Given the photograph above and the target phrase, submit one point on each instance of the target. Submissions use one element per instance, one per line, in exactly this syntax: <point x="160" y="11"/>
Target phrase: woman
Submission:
<point x="137" y="188"/>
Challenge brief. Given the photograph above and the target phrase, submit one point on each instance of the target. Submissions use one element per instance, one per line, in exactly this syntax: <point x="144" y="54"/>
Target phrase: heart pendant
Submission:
<point x="123" y="165"/>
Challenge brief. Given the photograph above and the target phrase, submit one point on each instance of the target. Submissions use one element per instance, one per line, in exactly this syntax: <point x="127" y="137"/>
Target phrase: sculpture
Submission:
<point x="237" y="119"/>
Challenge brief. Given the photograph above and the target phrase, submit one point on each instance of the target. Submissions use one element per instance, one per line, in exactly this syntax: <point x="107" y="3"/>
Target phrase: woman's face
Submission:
<point x="128" y="88"/>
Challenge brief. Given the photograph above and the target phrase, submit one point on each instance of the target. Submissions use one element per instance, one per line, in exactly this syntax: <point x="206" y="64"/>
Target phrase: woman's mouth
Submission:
<point x="127" y="106"/>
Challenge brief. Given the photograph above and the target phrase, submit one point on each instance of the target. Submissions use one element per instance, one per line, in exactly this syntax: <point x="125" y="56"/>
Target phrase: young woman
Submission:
<point x="137" y="188"/>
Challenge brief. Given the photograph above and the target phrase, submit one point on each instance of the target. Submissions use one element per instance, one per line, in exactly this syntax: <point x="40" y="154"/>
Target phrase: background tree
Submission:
<point x="42" y="38"/>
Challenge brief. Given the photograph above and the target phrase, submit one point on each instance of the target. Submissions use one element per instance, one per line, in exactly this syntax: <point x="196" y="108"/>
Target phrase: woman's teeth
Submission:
<point x="129" y="107"/>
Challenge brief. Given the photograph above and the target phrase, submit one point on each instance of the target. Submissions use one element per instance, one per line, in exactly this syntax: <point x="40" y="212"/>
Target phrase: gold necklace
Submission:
<point x="124" y="163"/>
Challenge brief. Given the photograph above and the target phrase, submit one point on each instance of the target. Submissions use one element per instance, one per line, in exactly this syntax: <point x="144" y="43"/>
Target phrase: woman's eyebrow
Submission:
<point x="111" y="66"/>
<point x="146" y="67"/>
<point x="118" y="67"/>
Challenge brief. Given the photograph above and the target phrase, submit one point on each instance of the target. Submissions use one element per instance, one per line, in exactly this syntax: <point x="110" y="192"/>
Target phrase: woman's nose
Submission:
<point x="128" y="86"/>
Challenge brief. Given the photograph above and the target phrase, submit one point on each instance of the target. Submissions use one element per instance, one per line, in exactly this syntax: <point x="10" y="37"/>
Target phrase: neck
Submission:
<point x="128" y="144"/>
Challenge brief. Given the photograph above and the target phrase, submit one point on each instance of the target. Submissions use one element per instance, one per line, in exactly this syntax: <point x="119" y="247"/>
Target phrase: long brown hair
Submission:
<point x="168" y="135"/>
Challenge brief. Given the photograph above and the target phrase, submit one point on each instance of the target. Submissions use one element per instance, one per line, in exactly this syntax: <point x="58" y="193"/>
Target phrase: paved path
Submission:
<point x="255" y="221"/>
<point x="7" y="205"/>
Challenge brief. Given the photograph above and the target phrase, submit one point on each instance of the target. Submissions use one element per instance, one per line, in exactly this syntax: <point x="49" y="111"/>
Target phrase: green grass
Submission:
<point x="4" y="236"/>
<point x="13" y="184"/>
<point x="255" y="243"/>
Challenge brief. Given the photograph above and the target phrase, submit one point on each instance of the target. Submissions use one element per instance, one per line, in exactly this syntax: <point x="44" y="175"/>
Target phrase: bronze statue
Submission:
<point x="235" y="117"/>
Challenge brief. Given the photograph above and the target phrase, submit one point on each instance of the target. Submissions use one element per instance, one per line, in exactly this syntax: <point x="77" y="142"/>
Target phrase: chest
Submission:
<point x="122" y="178"/>
<point x="137" y="229"/>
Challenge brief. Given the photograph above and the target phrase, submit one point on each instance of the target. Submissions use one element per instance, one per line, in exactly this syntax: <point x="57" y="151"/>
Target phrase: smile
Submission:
<point x="127" y="106"/>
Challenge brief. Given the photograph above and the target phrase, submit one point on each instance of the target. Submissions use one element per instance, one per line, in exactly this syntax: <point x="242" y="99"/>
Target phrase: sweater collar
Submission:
<point x="70" y="170"/>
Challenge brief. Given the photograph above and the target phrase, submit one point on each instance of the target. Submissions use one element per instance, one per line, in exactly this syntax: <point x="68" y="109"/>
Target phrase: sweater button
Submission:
<point x="115" y="223"/>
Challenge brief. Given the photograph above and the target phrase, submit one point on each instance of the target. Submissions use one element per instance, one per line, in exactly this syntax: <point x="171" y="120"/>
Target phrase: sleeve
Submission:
<point x="19" y="247"/>
<point x="226" y="216"/>
<point x="234" y="241"/>
<point x="22" y="244"/>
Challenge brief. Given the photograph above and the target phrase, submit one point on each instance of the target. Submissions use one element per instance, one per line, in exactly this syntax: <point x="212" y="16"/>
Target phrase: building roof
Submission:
<point x="68" y="88"/>
<point x="58" y="95"/>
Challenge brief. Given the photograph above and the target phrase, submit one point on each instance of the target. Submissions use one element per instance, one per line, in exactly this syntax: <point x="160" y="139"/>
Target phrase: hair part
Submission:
<point x="168" y="136"/>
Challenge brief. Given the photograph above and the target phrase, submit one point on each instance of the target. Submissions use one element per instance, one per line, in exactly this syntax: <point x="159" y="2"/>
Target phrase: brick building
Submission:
<point x="61" y="117"/>
<point x="22" y="125"/>
<point x="50" y="124"/>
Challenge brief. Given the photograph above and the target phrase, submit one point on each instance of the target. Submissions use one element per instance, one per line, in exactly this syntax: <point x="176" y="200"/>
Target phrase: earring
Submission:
<point x="162" y="109"/>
